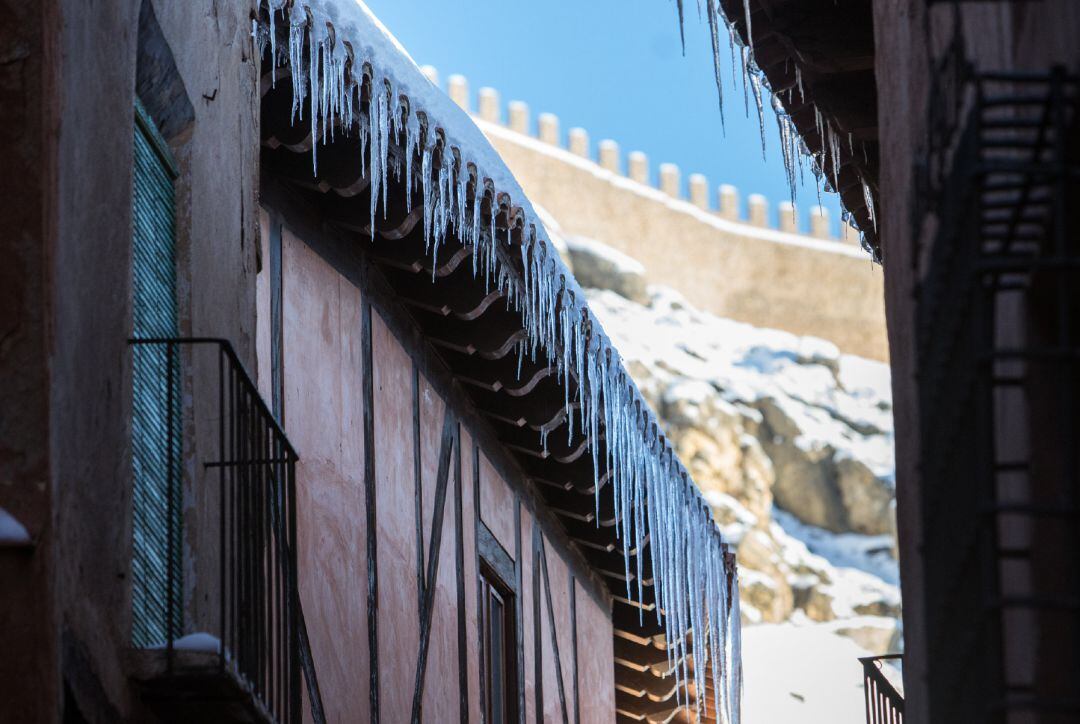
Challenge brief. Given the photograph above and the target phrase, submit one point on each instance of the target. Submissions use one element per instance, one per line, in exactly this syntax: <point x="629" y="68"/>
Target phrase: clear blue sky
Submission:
<point x="615" y="68"/>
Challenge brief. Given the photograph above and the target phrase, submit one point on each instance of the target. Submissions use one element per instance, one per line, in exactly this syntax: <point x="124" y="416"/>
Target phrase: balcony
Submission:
<point x="884" y="704"/>
<point x="218" y="631"/>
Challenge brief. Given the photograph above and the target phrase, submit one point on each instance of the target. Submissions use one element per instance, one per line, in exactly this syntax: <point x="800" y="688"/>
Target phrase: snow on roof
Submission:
<point x="342" y="42"/>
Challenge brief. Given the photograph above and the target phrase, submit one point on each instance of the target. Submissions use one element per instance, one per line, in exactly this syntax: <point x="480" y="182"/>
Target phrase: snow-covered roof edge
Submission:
<point x="332" y="45"/>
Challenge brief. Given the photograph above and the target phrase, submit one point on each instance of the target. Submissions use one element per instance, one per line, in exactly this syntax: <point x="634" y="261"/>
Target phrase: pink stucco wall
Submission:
<point x="321" y="362"/>
<point x="323" y="413"/>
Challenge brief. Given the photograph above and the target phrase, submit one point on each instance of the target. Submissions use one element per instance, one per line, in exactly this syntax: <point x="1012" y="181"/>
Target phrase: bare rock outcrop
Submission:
<point x="789" y="441"/>
<point x="600" y="266"/>
<point x="820" y="485"/>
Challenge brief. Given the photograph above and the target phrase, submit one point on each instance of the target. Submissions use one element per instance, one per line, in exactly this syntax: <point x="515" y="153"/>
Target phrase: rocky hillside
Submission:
<point x="789" y="440"/>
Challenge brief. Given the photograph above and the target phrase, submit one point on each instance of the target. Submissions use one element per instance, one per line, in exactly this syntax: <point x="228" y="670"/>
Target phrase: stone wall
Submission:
<point x="807" y="283"/>
<point x="69" y="84"/>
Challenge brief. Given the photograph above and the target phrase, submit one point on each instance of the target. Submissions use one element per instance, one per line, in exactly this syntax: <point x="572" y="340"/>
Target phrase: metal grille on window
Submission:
<point x="156" y="414"/>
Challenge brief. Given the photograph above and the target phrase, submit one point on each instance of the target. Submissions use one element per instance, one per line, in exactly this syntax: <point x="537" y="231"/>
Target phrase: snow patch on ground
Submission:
<point x="801" y="673"/>
<point x="199" y="641"/>
<point x="12" y="532"/>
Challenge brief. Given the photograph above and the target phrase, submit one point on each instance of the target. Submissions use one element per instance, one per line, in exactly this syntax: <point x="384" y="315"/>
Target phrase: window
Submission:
<point x="499" y="649"/>
<point x="155" y="420"/>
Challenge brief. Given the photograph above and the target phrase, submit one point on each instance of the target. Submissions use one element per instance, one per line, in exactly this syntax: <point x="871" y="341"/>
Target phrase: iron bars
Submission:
<point x="240" y="503"/>
<point x="884" y="704"/>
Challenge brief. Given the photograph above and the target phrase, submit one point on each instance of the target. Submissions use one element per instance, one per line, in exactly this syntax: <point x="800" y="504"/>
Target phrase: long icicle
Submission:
<point x="634" y="463"/>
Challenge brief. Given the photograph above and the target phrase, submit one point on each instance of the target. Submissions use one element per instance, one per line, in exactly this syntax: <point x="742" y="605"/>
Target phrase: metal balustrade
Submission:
<point x="884" y="704"/>
<point x="239" y="500"/>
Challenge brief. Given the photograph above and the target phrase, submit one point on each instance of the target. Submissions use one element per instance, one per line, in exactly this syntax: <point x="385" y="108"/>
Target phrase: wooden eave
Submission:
<point x="831" y="43"/>
<point x="473" y="333"/>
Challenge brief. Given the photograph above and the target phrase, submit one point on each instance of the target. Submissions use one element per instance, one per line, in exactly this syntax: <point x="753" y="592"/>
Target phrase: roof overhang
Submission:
<point x="387" y="160"/>
<point x="818" y="56"/>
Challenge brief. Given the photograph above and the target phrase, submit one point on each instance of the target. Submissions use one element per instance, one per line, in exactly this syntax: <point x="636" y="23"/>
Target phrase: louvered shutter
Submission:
<point x="155" y="461"/>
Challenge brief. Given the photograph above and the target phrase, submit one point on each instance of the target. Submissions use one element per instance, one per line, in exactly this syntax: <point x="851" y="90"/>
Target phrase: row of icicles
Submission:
<point x="656" y="504"/>
<point x="793" y="149"/>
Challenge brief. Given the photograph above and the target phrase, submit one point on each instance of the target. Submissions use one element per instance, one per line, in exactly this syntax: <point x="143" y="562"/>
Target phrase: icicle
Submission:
<point x="755" y="88"/>
<point x="868" y="197"/>
<point x="735" y="674"/>
<point x="384" y="141"/>
<point x="682" y="31"/>
<point x="818" y="125"/>
<point x="273" y="48"/>
<point x="834" y="149"/>
<point x="425" y="189"/>
<point x="378" y="132"/>
<point x="256" y="44"/>
<point x="712" y="13"/>
<point x="297" y="33"/>
<point x="314" y="47"/>
<point x="652" y="497"/>
<point x="749" y="27"/>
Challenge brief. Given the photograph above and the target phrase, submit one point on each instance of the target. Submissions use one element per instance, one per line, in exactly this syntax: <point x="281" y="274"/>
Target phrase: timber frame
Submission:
<point x="463" y="336"/>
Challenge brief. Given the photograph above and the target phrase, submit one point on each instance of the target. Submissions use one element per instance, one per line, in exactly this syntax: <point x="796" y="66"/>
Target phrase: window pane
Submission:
<point x="499" y="651"/>
<point x="498" y="668"/>
<point x="155" y="418"/>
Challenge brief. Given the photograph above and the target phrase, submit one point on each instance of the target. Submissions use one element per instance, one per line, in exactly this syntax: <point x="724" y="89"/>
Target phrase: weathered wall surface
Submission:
<point x="999" y="37"/>
<point x="29" y="675"/>
<point x="322" y="363"/>
<point x="809" y="284"/>
<point x="323" y="415"/>
<point x="74" y="64"/>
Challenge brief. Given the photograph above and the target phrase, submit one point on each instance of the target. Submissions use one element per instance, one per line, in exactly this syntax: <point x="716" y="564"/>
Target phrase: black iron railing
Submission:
<point x="999" y="374"/>
<point x="242" y="490"/>
<point x="884" y="704"/>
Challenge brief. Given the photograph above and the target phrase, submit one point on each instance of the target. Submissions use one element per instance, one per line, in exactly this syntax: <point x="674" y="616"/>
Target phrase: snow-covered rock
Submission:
<point x="556" y="235"/>
<point x="874" y="634"/>
<point x="822" y="419"/>
<point x="598" y="265"/>
<point x="791" y="443"/>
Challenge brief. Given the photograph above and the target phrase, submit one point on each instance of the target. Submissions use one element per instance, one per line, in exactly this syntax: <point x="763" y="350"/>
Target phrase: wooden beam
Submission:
<point x="446" y="447"/>
<point x="495" y="556"/>
<point x="368" y="389"/>
<point x="459" y="530"/>
<point x="554" y="633"/>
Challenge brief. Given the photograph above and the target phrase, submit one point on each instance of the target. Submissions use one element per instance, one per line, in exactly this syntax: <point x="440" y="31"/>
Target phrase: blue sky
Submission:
<point x="615" y="68"/>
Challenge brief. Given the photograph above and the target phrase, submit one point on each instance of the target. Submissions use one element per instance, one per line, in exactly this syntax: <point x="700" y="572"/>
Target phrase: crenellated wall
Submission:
<point x="808" y="282"/>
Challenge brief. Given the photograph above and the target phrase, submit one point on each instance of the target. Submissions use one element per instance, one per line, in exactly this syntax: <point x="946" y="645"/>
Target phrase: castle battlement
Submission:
<point x="721" y="250"/>
<point x="635" y="167"/>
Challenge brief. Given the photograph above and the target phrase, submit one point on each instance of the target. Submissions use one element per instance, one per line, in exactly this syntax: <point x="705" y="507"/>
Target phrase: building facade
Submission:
<point x="302" y="418"/>
<point x="959" y="165"/>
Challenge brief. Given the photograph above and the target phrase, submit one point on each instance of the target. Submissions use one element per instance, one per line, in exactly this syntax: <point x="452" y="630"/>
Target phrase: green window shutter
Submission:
<point x="156" y="421"/>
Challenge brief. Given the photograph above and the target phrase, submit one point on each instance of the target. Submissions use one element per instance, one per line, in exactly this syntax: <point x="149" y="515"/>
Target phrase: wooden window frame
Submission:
<point x="493" y="584"/>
